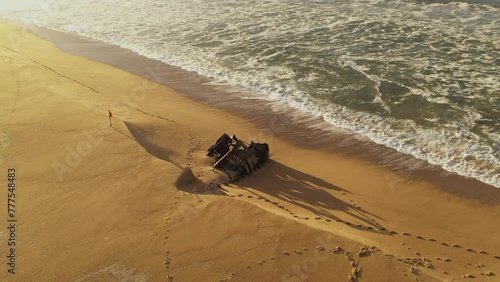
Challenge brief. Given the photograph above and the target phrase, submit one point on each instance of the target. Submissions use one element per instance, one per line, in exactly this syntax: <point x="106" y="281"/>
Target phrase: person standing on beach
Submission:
<point x="110" y="116"/>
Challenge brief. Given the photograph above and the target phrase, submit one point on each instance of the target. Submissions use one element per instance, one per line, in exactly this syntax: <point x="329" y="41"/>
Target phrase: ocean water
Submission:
<point x="422" y="77"/>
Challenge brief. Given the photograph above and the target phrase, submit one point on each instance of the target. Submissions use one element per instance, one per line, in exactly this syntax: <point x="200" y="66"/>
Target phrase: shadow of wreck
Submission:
<point x="305" y="191"/>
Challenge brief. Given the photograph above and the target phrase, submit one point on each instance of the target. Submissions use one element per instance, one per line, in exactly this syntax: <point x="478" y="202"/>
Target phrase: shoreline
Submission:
<point x="127" y="208"/>
<point x="307" y="131"/>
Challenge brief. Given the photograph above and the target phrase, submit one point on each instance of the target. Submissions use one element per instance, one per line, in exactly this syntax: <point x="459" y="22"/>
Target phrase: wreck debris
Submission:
<point x="237" y="158"/>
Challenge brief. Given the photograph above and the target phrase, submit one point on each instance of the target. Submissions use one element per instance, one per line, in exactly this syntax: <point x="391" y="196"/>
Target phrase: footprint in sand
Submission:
<point x="320" y="248"/>
<point x="6" y="60"/>
<point x="348" y="256"/>
<point x="337" y="250"/>
<point x="167" y="262"/>
<point x="354" y="274"/>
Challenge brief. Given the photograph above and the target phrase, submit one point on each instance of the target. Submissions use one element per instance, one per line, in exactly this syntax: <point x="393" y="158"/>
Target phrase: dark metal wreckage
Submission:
<point x="237" y="158"/>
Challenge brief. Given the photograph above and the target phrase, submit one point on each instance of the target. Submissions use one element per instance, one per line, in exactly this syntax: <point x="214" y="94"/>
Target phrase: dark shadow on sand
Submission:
<point x="122" y="133"/>
<point x="296" y="188"/>
<point x="138" y="135"/>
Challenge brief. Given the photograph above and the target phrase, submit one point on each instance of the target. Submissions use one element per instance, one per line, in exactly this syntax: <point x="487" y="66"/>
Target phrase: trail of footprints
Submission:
<point x="480" y="266"/>
<point x="14" y="106"/>
<point x="148" y="114"/>
<point x="415" y="262"/>
<point x="192" y="148"/>
<point x="11" y="50"/>
<point x="168" y="253"/>
<point x="78" y="82"/>
<point x="18" y="92"/>
<point x="377" y="227"/>
<point x="62" y="75"/>
<point x="52" y="70"/>
<point x="353" y="258"/>
<point x="168" y="257"/>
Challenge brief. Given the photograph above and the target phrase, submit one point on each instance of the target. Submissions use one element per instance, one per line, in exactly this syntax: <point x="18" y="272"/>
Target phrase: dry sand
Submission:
<point x="100" y="203"/>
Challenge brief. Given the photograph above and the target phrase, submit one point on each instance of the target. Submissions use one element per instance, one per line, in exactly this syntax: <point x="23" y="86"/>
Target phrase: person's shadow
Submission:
<point x="303" y="190"/>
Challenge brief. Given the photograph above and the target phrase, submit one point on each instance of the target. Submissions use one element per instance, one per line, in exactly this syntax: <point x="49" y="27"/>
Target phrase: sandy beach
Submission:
<point x="126" y="203"/>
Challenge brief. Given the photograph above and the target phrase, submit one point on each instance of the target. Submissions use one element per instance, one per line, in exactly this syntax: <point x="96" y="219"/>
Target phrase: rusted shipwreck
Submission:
<point x="237" y="158"/>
